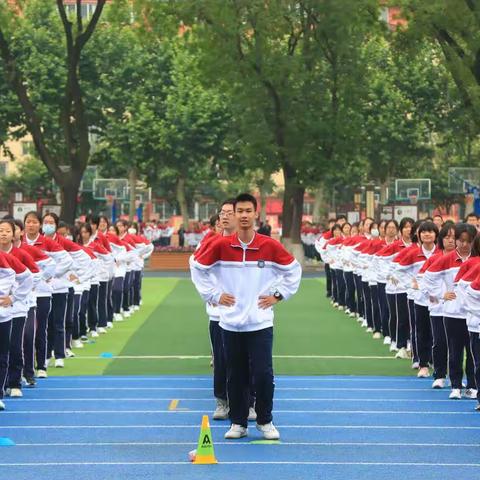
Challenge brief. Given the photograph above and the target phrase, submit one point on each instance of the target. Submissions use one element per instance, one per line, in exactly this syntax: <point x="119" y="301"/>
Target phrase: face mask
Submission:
<point x="374" y="233"/>
<point x="132" y="231"/>
<point x="48" y="229"/>
<point x="68" y="237"/>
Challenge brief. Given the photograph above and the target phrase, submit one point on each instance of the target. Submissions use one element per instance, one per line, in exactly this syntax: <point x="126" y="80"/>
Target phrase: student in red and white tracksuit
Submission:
<point x="16" y="283"/>
<point x="440" y="280"/>
<point x="19" y="310"/>
<point x="445" y="244"/>
<point x="246" y="275"/>
<point x="57" y="300"/>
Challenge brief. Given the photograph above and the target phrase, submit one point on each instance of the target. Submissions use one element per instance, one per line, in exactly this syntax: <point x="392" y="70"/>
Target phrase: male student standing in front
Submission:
<point x="246" y="274"/>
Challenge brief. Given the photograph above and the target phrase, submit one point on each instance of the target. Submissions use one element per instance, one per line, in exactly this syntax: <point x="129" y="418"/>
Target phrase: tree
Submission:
<point x="49" y="93"/>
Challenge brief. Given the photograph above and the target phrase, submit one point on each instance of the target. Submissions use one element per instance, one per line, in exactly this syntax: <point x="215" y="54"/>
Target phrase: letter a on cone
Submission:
<point x="205" y="454"/>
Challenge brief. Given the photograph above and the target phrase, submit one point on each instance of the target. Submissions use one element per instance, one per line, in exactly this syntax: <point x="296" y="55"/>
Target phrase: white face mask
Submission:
<point x="48" y="229"/>
<point x="374" y="233"/>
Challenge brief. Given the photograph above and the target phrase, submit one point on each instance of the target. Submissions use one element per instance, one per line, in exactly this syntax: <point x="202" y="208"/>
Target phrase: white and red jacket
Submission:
<point x="16" y="281"/>
<point x="440" y="278"/>
<point x="105" y="259"/>
<point x="120" y="255"/>
<point x="63" y="261"/>
<point x="472" y="305"/>
<point x="42" y="286"/>
<point x="246" y="272"/>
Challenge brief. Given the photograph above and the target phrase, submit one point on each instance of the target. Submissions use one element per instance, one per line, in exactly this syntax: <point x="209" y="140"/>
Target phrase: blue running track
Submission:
<point x="97" y="428"/>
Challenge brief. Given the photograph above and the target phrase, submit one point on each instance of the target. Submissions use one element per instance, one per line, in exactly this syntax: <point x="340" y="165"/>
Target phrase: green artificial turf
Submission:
<point x="173" y="322"/>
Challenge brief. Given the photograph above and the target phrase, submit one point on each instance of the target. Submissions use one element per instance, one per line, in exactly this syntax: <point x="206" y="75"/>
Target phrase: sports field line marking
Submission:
<point x="174" y="410"/>
<point x="235" y="444"/>
<point x="211" y="399"/>
<point x="202" y="357"/>
<point x="328" y="427"/>
<point x="329" y="389"/>
<point x="382" y="464"/>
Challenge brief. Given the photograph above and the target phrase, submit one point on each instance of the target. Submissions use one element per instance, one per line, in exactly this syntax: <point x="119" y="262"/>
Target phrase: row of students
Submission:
<point x="414" y="285"/>
<point x="59" y="290"/>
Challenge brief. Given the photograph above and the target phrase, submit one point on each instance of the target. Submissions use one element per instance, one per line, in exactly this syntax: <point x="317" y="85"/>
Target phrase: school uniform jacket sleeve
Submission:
<point x="289" y="269"/>
<point x="23" y="278"/>
<point x="63" y="261"/>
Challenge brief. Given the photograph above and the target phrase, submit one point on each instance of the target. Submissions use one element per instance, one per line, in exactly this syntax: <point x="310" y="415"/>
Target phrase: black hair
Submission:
<point x="428" y="219"/>
<point x="476" y="246"/>
<point x="465" y="228"/>
<point x="103" y="217"/>
<point x="93" y="220"/>
<point x="471" y="214"/>
<point x="10" y="222"/>
<point x="341" y="217"/>
<point x="330" y="220"/>
<point x="54" y="216"/>
<point x="414" y="232"/>
<point x="214" y="219"/>
<point x="445" y="230"/>
<point x="336" y="227"/>
<point x="34" y="214"/>
<point x="346" y="224"/>
<point x="19" y="224"/>
<point x="87" y="226"/>
<point x="392" y="221"/>
<point x="246" y="197"/>
<point x="62" y="224"/>
<point x="228" y="201"/>
<point x="404" y="221"/>
<point x="123" y="222"/>
<point x="427" y="227"/>
<point x="438" y="215"/>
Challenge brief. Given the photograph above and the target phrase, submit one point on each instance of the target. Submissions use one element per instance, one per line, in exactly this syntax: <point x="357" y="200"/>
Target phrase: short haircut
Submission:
<point x="54" y="216"/>
<point x="228" y="201"/>
<point x="427" y="227"/>
<point x="461" y="228"/>
<point x="438" y="216"/>
<point x="470" y="215"/>
<point x="444" y="232"/>
<point x="103" y="217"/>
<point x="33" y="214"/>
<point x="123" y="222"/>
<point x="394" y="223"/>
<point x="332" y="220"/>
<point x="10" y="222"/>
<point x="337" y="226"/>
<point x="341" y="217"/>
<point x="87" y="226"/>
<point x="62" y="224"/>
<point x="19" y="224"/>
<point x="246" y="197"/>
<point x="93" y="220"/>
<point x="346" y="224"/>
<point x="404" y="222"/>
<point x="214" y="219"/>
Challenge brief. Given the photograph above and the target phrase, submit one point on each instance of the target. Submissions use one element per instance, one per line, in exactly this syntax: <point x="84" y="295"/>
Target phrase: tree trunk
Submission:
<point x="263" y="203"/>
<point x="132" y="183"/>
<point x="69" y="192"/>
<point x="318" y="204"/>
<point x="182" y="201"/>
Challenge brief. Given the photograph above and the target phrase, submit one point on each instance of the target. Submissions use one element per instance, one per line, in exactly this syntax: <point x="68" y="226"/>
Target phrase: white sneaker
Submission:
<point x="364" y="323"/>
<point x="118" y="317"/>
<point x="127" y="313"/>
<point x="236" y="431"/>
<point x="335" y="305"/>
<point x="455" y="394"/>
<point x="377" y="336"/>
<point x="221" y="411"/>
<point x="94" y="334"/>
<point x="438" y="383"/>
<point x="101" y="330"/>
<point x="77" y="344"/>
<point x="69" y="353"/>
<point x="347" y="311"/>
<point x="415" y="365"/>
<point x="471" y="393"/>
<point x="369" y="330"/>
<point x="109" y="325"/>
<point x="341" y="308"/>
<point x="136" y="308"/>
<point x="402" y="354"/>
<point x="423" y="372"/>
<point x="59" y="363"/>
<point x="16" y="393"/>
<point x="393" y="347"/>
<point x="269" y="431"/>
<point x="387" y="340"/>
<point x="42" y="374"/>
<point x="252" y="415"/>
<point x="2" y="405"/>
<point x="352" y="315"/>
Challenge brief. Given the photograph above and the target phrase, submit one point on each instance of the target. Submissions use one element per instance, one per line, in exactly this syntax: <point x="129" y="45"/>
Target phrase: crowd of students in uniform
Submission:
<point x="60" y="287"/>
<point x="416" y="285"/>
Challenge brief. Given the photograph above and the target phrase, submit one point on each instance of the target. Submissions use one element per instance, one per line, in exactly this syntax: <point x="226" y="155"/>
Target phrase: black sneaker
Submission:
<point x="477" y="408"/>
<point x="30" y="382"/>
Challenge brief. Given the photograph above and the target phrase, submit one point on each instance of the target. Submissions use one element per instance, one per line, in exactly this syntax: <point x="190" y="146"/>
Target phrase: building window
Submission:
<point x="87" y="9"/>
<point x="27" y="148"/>
<point x="3" y="169"/>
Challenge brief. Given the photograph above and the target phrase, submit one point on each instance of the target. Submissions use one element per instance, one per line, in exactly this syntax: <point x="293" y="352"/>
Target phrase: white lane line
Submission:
<point x="211" y="399"/>
<point x="329" y="427"/>
<point x="294" y="389"/>
<point x="279" y="378"/>
<point x="177" y="412"/>
<point x="372" y="464"/>
<point x="235" y="444"/>
<point x="328" y="444"/>
<point x="207" y="357"/>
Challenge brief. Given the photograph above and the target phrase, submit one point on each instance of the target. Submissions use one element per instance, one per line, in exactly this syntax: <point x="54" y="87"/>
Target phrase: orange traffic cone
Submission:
<point x="205" y="454"/>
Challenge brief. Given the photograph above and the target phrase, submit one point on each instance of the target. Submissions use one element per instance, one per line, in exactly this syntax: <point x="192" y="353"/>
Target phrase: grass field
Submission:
<point x="172" y="323"/>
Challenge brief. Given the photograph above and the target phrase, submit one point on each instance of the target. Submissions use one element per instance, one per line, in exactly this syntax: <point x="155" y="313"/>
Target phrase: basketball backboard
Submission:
<point x="407" y="189"/>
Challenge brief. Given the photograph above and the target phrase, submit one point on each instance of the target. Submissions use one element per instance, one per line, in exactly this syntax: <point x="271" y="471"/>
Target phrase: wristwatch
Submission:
<point x="278" y="295"/>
